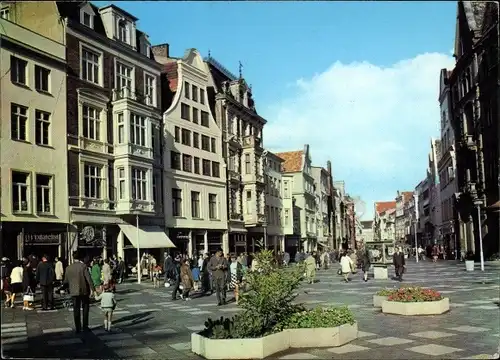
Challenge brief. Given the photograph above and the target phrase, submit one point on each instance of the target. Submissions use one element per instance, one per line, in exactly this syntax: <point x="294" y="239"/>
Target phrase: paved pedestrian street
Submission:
<point x="147" y="324"/>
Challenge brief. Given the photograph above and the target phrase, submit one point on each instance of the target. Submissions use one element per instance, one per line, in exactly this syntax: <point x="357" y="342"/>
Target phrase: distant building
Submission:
<point x="367" y="234"/>
<point x="384" y="221"/>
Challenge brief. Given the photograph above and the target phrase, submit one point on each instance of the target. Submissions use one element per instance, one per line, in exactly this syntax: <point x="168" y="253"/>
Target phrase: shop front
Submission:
<point x="292" y="245"/>
<point x="23" y="239"/>
<point x="181" y="240"/>
<point x="214" y="241"/>
<point x="96" y="240"/>
<point x="238" y="243"/>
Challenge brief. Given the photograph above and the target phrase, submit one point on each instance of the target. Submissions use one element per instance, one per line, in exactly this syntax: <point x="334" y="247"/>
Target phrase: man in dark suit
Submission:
<point x="45" y="276"/>
<point x="398" y="260"/>
<point x="77" y="279"/>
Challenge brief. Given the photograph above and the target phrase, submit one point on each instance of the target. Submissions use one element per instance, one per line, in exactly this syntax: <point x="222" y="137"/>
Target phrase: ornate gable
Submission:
<point x="192" y="57"/>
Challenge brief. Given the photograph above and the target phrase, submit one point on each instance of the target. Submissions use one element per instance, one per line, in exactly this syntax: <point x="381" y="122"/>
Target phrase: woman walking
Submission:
<point x="16" y="282"/>
<point x="346" y="266"/>
<point x="186" y="279"/>
<point x="365" y="264"/>
<point x="236" y="270"/>
<point x="29" y="286"/>
<point x="95" y="274"/>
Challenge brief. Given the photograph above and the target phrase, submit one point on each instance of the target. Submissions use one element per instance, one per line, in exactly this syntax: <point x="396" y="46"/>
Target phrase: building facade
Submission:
<point x="194" y="167"/>
<point x="34" y="191"/>
<point x="242" y="133"/>
<point x="447" y="167"/>
<point x="274" y="236"/>
<point x="366" y="235"/>
<point x="340" y="213"/>
<point x="298" y="181"/>
<point x="434" y="189"/>
<point x="321" y="180"/>
<point x="400" y="226"/>
<point x="384" y="221"/>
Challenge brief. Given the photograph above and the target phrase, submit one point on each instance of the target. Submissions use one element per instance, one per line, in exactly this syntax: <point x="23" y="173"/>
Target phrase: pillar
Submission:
<point x="282" y="243"/>
<point x="119" y="245"/>
<point x="190" y="244"/>
<point x="225" y="242"/>
<point x="205" y="241"/>
<point x="59" y="248"/>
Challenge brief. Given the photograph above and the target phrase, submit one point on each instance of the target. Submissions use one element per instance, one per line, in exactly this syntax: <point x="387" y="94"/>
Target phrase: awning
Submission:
<point x="150" y="237"/>
<point x="495" y="206"/>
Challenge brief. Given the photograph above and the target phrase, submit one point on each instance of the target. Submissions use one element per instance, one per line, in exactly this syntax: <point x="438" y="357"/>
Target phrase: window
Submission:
<point x="206" y="167"/>
<point x="123" y="76"/>
<point x="4" y="13"/>
<point x="92" y="181"/>
<point x="213" y="145"/>
<point x="186" y="137"/>
<point x="42" y="78"/>
<point x="204" y="119"/>
<point x="248" y="165"/>
<point x="196" y="164"/>
<point x="184" y="111"/>
<point x="90" y="66"/>
<point x="20" y="190"/>
<point x="121" y="128"/>
<point x="194" y="93"/>
<point x="87" y="19"/>
<point x="43" y="194"/>
<point x="176" y="202"/>
<point x="249" y="202"/>
<point x="195" y="115"/>
<point x="205" y="143"/>
<point x="286" y="189"/>
<point x="196" y="140"/>
<point x="18" y="70"/>
<point x="42" y="126"/>
<point x="177" y="134"/>
<point x="187" y="163"/>
<point x="155" y="139"/>
<point x="186" y="89"/>
<point x="175" y="160"/>
<point x="149" y="89"/>
<point x="18" y="122"/>
<point x="139" y="184"/>
<point x="122" y="190"/>
<point x="287" y="217"/>
<point x="215" y="169"/>
<point x="202" y="96"/>
<point x="122" y="30"/>
<point x="91" y="123"/>
<point x="137" y="129"/>
<point x="195" y="204"/>
<point x="212" y="206"/>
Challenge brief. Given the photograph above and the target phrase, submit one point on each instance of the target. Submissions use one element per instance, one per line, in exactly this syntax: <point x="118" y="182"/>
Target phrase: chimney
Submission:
<point x="161" y="50"/>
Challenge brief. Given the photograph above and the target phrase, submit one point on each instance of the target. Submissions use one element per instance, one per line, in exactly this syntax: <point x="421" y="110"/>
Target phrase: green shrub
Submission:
<point x="385" y="292"/>
<point x="319" y="318"/>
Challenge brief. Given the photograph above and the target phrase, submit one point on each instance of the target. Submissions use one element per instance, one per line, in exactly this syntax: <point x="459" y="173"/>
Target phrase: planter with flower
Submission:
<point x="415" y="301"/>
<point x="380" y="296"/>
<point x="270" y="322"/>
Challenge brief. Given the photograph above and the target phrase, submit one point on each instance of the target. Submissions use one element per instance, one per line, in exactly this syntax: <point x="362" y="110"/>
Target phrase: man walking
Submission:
<point x="398" y="260"/>
<point x="45" y="276"/>
<point x="218" y="265"/>
<point x="81" y="287"/>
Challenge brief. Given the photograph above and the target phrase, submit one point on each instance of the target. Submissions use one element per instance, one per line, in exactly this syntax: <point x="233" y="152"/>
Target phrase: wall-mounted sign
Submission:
<point x="41" y="239"/>
<point x="91" y="236"/>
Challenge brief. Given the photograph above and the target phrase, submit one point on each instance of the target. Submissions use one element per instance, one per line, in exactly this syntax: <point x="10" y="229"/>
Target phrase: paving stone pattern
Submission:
<point x="148" y="324"/>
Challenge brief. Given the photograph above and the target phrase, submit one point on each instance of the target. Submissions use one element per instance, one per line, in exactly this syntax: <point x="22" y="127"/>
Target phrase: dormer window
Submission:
<point x="122" y="30"/>
<point x="87" y="16"/>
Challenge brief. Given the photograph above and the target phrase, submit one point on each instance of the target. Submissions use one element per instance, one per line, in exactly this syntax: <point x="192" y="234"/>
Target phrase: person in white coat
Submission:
<point x="346" y="265"/>
<point x="59" y="270"/>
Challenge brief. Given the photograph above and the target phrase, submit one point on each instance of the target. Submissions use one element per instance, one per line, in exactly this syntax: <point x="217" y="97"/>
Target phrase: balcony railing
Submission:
<point x="126" y="93"/>
<point x="236" y="216"/>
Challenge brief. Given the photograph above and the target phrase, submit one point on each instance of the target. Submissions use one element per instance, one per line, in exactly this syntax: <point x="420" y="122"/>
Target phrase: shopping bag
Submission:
<point x="29" y="296"/>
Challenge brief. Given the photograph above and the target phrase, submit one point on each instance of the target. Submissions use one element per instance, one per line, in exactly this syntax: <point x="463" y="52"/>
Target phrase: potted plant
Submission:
<point x="469" y="261"/>
<point x="415" y="301"/>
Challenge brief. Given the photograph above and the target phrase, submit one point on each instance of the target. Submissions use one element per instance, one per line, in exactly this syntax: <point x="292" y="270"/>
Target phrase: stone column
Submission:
<point x="105" y="241"/>
<point x="225" y="242"/>
<point x="190" y="243"/>
<point x="120" y="241"/>
<point x="205" y="241"/>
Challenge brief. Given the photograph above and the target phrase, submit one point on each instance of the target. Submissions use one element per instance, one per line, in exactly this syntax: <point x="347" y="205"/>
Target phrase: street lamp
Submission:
<point x="478" y="204"/>
<point x="415" y="196"/>
<point x="139" y="270"/>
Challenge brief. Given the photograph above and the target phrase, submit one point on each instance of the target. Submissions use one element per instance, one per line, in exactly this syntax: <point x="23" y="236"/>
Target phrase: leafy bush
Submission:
<point x="414" y="294"/>
<point x="385" y="292"/>
<point x="319" y="318"/>
<point x="268" y="301"/>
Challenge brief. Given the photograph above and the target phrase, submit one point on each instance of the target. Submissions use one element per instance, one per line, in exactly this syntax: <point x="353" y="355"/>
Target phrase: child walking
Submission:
<point x="108" y="304"/>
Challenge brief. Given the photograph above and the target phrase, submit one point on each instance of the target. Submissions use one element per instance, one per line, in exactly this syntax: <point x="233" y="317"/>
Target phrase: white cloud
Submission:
<point x="374" y="123"/>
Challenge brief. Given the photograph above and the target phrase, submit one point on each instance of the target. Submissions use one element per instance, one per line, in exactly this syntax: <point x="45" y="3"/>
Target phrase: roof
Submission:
<point x="127" y="14"/>
<point x="170" y="70"/>
<point x="407" y="196"/>
<point x="383" y="206"/>
<point x="292" y="160"/>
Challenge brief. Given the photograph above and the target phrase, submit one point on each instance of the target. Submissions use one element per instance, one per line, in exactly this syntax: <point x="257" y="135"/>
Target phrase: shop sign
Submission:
<point x="41" y="239"/>
<point x="180" y="235"/>
<point x="92" y="236"/>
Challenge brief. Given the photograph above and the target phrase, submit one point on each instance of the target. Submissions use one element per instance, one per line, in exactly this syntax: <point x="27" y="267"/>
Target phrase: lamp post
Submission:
<point x="415" y="196"/>
<point x="139" y="270"/>
<point x="478" y="204"/>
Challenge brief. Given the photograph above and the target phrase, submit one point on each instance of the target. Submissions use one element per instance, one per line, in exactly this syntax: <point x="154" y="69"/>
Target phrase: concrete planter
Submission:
<point x="416" y="308"/>
<point x="261" y="348"/>
<point x="378" y="300"/>
<point x="469" y="265"/>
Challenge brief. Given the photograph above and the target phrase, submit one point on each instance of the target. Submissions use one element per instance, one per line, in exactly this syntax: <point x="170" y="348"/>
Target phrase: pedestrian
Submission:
<point x="175" y="277"/>
<point x="346" y="266"/>
<point x="29" y="285"/>
<point x="205" y="275"/>
<point x="187" y="281"/>
<point x="16" y="282"/>
<point x="218" y="265"/>
<point x="398" y="260"/>
<point x="236" y="270"/>
<point x="6" y="288"/>
<point x="108" y="305"/>
<point x="121" y="270"/>
<point x="96" y="274"/>
<point x="365" y="263"/>
<point x="81" y="287"/>
<point x="310" y="263"/>
<point x="106" y="273"/>
<point x="59" y="270"/>
<point x="168" y="264"/>
<point x="156" y="276"/>
<point x="45" y="276"/>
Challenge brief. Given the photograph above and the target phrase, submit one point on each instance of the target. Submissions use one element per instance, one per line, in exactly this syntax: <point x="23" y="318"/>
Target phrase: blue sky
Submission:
<point x="358" y="81"/>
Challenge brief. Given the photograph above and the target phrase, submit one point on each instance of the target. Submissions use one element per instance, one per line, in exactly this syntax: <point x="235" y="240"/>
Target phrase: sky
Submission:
<point x="357" y="81"/>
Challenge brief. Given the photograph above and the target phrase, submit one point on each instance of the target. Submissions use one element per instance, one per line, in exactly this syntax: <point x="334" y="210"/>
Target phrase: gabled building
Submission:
<point x="434" y="193"/>
<point x="299" y="189"/>
<point x="194" y="166"/>
<point x="384" y="221"/>
<point x="402" y="199"/>
<point x="274" y="234"/>
<point x="321" y="179"/>
<point x="233" y="107"/>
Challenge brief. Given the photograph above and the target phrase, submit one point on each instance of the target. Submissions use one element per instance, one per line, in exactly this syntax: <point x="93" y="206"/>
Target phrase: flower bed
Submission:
<point x="270" y="322"/>
<point x="415" y="301"/>
<point x="380" y="296"/>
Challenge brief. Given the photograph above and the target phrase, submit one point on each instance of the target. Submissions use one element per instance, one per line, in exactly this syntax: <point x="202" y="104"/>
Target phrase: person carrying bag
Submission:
<point x="28" y="299"/>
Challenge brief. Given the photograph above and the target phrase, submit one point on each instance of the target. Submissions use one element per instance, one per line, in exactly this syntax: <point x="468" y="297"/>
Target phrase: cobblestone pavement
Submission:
<point x="149" y="325"/>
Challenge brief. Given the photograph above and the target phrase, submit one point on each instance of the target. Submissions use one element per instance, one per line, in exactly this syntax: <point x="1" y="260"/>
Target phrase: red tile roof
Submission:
<point x="407" y="196"/>
<point x="170" y="69"/>
<point x="382" y="206"/>
<point x="292" y="160"/>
